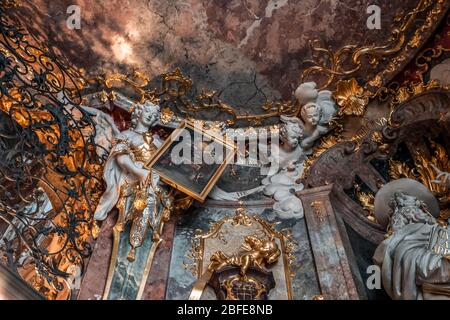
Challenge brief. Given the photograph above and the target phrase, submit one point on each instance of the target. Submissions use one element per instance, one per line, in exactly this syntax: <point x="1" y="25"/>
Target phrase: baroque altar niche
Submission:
<point x="412" y="144"/>
<point x="242" y="257"/>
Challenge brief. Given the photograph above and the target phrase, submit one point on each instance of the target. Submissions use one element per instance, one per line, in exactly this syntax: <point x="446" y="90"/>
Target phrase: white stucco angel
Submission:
<point x="285" y="159"/>
<point x="317" y="111"/>
<point x="135" y="191"/>
<point x="297" y="137"/>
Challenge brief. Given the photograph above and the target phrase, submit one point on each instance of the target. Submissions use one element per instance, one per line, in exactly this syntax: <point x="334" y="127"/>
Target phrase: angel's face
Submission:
<point x="290" y="133"/>
<point x="149" y="116"/>
<point x="312" y="116"/>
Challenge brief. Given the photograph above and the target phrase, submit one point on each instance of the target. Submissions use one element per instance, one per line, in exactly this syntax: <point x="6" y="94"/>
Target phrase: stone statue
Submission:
<point x="414" y="256"/>
<point x="142" y="201"/>
<point x="129" y="185"/>
<point x="287" y="158"/>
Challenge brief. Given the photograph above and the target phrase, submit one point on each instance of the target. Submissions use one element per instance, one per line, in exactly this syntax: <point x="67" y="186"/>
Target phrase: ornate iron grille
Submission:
<point x="49" y="167"/>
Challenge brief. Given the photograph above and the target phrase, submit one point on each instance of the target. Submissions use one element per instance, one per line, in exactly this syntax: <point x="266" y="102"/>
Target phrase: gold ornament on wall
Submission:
<point x="351" y="97"/>
<point x="242" y="241"/>
<point x="9" y="4"/>
<point x="348" y="60"/>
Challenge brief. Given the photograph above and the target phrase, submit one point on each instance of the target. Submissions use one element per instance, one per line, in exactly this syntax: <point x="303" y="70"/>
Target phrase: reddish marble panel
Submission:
<point x="94" y="280"/>
<point x="246" y="50"/>
<point x="155" y="288"/>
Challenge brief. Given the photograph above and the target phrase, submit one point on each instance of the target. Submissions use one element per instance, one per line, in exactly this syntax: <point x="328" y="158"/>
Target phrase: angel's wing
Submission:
<point x="329" y="108"/>
<point x="106" y="129"/>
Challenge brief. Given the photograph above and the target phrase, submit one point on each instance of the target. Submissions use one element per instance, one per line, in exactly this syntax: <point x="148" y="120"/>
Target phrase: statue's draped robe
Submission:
<point x="407" y="263"/>
<point x="127" y="280"/>
<point x="115" y="177"/>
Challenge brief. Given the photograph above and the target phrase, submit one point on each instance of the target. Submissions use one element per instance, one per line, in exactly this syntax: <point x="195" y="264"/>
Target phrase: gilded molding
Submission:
<point x="332" y="65"/>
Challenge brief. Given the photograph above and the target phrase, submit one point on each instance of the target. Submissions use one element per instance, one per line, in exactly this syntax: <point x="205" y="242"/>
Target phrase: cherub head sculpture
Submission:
<point x="146" y="114"/>
<point x="291" y="131"/>
<point x="311" y="114"/>
<point x="317" y="107"/>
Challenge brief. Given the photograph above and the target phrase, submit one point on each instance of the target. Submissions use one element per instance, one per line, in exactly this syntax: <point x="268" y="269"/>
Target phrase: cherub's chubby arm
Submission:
<point x="125" y="162"/>
<point x="308" y="142"/>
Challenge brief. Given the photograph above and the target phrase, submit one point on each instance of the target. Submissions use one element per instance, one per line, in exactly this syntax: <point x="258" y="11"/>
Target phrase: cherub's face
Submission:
<point x="253" y="241"/>
<point x="290" y="133"/>
<point x="149" y="116"/>
<point x="312" y="116"/>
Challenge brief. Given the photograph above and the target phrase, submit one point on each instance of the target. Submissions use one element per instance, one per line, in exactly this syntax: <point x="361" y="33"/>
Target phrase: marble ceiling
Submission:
<point x="249" y="51"/>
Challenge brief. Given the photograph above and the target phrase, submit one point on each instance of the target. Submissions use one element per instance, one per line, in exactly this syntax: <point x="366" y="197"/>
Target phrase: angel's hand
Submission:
<point x="291" y="166"/>
<point x="307" y="143"/>
<point x="142" y="175"/>
<point x="108" y="121"/>
<point x="442" y="178"/>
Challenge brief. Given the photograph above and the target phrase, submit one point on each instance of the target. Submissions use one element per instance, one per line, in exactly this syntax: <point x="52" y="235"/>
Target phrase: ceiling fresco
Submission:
<point x="248" y="51"/>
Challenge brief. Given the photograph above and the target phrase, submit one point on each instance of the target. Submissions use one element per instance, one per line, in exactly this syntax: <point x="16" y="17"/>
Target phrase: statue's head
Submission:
<point x="406" y="197"/>
<point x="267" y="247"/>
<point x="146" y="114"/>
<point x="406" y="209"/>
<point x="401" y="199"/>
<point x="306" y="93"/>
<point x="291" y="131"/>
<point x="311" y="113"/>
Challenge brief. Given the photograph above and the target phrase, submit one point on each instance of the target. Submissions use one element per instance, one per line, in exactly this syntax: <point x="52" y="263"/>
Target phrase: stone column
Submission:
<point x="338" y="274"/>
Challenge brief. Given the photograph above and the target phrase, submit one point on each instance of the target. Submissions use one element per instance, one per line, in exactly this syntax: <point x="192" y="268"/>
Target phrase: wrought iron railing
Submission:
<point x="49" y="166"/>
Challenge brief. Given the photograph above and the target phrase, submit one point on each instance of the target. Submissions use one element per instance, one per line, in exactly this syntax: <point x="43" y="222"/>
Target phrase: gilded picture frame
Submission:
<point x="192" y="178"/>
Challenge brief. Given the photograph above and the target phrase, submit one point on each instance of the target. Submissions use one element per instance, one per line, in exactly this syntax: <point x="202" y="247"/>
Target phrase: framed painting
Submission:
<point x="192" y="159"/>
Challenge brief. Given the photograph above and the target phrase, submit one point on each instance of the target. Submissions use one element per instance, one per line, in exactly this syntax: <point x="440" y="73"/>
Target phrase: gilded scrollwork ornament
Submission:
<point x="351" y="97"/>
<point x="350" y="59"/>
